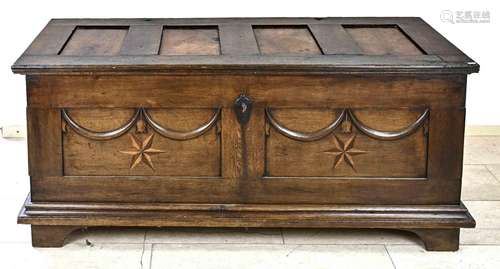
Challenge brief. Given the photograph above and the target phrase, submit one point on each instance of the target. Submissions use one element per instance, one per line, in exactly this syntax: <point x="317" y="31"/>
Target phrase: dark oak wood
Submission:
<point x="333" y="39"/>
<point x="44" y="142"/>
<point x="439" y="239"/>
<point x="441" y="55"/>
<point x="142" y="40"/>
<point x="237" y="39"/>
<point x="94" y="41"/>
<point x="196" y="153"/>
<point x="255" y="122"/>
<point x="246" y="215"/>
<point x="50" y="236"/>
<point x="350" y="153"/>
<point x="204" y="91"/>
<point x="382" y="40"/>
<point x="285" y="40"/>
<point x="190" y="41"/>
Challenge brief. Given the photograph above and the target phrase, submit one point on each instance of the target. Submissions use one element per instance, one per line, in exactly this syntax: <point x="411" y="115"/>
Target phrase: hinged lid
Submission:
<point x="246" y="45"/>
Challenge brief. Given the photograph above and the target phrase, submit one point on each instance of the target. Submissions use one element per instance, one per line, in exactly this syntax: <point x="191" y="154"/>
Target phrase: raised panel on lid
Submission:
<point x="287" y="40"/>
<point x="199" y="40"/>
<point x="382" y="40"/>
<point x="95" y="41"/>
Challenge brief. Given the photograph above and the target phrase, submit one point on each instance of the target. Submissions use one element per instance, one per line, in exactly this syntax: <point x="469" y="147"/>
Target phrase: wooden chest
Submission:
<point x="305" y="122"/>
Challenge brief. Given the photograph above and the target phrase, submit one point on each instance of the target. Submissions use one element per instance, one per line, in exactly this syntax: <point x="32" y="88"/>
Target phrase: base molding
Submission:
<point x="437" y="225"/>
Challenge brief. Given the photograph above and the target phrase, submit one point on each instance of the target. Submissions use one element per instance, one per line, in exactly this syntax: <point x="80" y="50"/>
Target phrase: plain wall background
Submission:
<point x="21" y="21"/>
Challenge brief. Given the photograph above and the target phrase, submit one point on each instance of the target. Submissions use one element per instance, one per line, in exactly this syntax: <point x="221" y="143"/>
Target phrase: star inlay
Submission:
<point x="142" y="151"/>
<point x="344" y="151"/>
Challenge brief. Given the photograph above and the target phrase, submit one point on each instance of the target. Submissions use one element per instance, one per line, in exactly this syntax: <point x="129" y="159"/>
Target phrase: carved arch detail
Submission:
<point x="141" y="113"/>
<point x="177" y="135"/>
<point x="305" y="136"/>
<point x="388" y="135"/>
<point x="345" y="113"/>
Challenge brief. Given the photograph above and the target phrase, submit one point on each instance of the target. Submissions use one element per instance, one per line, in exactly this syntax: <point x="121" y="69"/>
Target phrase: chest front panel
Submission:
<point x="294" y="139"/>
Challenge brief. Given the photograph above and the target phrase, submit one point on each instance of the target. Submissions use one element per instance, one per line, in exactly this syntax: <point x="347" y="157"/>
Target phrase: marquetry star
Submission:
<point x="344" y="151"/>
<point x="142" y="151"/>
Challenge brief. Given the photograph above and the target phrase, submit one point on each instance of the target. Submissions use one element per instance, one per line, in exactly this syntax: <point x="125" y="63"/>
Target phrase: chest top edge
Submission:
<point x="243" y="45"/>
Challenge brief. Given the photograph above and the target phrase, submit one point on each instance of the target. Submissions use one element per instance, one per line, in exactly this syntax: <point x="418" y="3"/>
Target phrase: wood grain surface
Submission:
<point x="255" y="122"/>
<point x="95" y="42"/>
<point x="244" y="45"/>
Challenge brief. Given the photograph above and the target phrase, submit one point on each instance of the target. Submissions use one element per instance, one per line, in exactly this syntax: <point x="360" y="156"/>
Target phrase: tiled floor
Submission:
<point x="270" y="248"/>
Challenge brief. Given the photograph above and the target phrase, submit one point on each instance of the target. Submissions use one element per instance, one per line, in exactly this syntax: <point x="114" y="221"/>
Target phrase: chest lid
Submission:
<point x="246" y="45"/>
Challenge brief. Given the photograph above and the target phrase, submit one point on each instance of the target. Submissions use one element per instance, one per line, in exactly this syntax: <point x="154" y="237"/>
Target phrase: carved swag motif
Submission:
<point x="142" y="149"/>
<point x="344" y="150"/>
